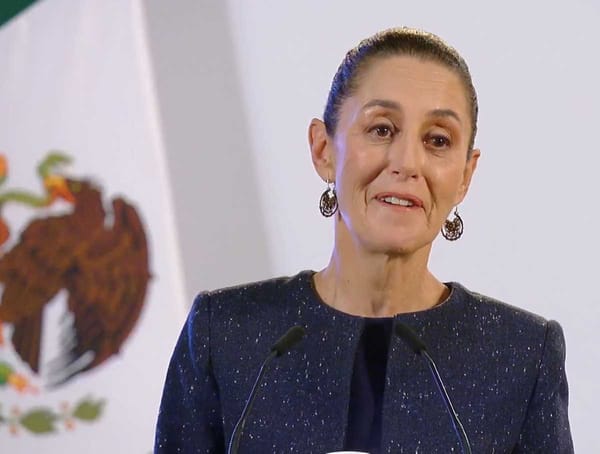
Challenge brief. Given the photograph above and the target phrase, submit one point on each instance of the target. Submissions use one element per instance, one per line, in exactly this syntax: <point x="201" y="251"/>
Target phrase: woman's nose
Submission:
<point x="405" y="157"/>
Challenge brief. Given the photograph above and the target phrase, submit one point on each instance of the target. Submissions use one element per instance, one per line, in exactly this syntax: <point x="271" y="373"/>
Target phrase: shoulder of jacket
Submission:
<point x="497" y="310"/>
<point x="266" y="291"/>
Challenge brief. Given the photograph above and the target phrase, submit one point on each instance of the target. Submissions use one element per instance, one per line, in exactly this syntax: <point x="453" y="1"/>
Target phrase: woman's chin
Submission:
<point x="381" y="238"/>
<point x="398" y="247"/>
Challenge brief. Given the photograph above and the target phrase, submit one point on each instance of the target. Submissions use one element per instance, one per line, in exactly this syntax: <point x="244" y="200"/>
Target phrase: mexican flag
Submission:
<point x="91" y="291"/>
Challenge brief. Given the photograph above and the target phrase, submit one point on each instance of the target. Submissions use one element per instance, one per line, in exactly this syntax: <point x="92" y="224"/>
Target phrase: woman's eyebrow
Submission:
<point x="444" y="113"/>
<point x="386" y="103"/>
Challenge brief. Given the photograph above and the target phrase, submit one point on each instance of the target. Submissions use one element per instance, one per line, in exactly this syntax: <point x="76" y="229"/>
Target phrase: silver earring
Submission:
<point x="453" y="230"/>
<point x="328" y="203"/>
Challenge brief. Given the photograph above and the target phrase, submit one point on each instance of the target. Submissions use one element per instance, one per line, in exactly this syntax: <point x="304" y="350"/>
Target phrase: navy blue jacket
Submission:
<point x="503" y="368"/>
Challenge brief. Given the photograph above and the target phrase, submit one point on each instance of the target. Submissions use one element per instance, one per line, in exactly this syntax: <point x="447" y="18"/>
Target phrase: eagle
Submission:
<point x="99" y="258"/>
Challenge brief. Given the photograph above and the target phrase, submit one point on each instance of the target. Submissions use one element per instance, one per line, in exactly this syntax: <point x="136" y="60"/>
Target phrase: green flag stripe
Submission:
<point x="10" y="8"/>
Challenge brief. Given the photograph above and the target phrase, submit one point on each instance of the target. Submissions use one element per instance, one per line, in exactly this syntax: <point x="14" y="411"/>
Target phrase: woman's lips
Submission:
<point x="399" y="200"/>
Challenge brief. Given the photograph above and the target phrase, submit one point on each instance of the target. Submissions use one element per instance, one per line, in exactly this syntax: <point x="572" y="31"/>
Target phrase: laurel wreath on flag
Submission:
<point x="41" y="420"/>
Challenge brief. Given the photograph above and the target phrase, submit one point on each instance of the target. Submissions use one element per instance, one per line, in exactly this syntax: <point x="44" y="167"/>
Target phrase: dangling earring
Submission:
<point x="328" y="203"/>
<point x="453" y="230"/>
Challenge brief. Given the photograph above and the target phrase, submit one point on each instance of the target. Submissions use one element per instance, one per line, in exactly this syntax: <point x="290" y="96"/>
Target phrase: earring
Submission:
<point x="328" y="203"/>
<point x="453" y="230"/>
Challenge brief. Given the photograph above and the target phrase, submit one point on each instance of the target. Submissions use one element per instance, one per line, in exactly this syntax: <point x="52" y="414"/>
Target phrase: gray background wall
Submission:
<point x="206" y="135"/>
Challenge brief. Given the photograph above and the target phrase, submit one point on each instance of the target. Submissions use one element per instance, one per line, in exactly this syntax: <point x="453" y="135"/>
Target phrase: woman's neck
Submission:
<point x="378" y="285"/>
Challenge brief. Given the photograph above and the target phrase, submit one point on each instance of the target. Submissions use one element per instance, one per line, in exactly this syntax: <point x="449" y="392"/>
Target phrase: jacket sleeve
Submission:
<point x="546" y="426"/>
<point x="190" y="413"/>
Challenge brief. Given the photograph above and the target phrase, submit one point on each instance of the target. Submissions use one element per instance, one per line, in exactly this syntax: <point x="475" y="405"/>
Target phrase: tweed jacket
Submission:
<point x="503" y="368"/>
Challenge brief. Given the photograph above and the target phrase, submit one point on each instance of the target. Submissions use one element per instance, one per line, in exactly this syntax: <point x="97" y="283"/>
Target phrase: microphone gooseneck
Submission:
<point x="282" y="346"/>
<point x="288" y="340"/>
<point x="405" y="333"/>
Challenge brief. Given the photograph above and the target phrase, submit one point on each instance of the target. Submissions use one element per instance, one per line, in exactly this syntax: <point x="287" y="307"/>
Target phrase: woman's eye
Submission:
<point x="438" y="141"/>
<point x="382" y="131"/>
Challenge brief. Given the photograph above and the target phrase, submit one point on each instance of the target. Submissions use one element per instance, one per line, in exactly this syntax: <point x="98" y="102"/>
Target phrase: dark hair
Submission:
<point x="393" y="42"/>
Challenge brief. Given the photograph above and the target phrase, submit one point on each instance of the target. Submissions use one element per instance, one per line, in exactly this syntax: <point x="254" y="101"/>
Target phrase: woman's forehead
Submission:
<point x="408" y="81"/>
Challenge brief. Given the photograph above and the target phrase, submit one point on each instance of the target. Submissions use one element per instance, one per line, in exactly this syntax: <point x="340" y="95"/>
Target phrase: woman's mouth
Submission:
<point x="397" y="201"/>
<point x="400" y="200"/>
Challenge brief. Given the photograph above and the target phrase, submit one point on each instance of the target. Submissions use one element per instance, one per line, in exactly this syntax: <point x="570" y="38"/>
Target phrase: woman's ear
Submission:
<point x="321" y="150"/>
<point x="468" y="174"/>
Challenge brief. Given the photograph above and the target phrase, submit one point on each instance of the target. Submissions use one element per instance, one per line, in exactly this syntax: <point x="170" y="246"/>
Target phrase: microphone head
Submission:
<point x="288" y="340"/>
<point x="406" y="333"/>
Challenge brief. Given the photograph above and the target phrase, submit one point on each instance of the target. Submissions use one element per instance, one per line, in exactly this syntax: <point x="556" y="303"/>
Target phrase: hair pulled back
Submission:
<point x="396" y="42"/>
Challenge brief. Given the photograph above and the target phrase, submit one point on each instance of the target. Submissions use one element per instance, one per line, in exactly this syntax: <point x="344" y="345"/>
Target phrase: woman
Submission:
<point x="395" y="148"/>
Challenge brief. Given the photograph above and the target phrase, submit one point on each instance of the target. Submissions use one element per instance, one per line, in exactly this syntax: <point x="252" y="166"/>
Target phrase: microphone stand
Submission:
<point x="239" y="427"/>
<point x="406" y="333"/>
<point x="285" y="343"/>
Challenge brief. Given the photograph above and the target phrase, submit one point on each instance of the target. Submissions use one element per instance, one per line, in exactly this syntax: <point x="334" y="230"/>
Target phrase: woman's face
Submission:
<point x="399" y="154"/>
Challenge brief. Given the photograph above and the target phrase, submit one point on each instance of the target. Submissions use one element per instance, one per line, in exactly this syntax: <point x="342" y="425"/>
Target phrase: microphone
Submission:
<point x="283" y="345"/>
<point x="288" y="340"/>
<point x="405" y="333"/>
